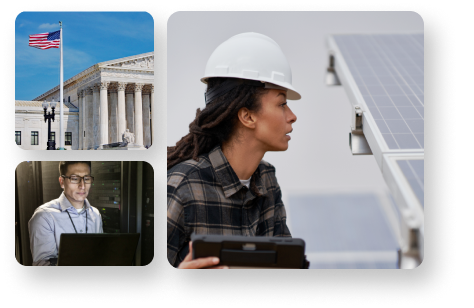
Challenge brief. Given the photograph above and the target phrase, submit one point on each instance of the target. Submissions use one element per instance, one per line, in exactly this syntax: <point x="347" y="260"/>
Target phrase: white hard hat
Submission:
<point x="252" y="56"/>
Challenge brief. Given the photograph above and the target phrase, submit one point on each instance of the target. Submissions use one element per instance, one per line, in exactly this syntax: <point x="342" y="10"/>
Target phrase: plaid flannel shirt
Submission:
<point x="207" y="197"/>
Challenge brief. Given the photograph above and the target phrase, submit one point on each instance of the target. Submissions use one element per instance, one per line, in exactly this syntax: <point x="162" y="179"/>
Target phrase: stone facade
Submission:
<point x="29" y="118"/>
<point x="109" y="97"/>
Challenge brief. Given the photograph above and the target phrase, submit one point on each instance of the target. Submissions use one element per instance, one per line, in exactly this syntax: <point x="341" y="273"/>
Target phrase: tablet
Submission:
<point x="251" y="252"/>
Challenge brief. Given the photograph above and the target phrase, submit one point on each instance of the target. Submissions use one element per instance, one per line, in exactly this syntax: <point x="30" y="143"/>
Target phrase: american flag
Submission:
<point x="45" y="40"/>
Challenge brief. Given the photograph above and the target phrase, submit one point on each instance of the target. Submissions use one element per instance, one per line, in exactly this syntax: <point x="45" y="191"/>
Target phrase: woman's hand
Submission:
<point x="208" y="263"/>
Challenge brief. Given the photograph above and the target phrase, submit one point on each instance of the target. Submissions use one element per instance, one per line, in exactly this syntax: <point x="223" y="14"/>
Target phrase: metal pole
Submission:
<point x="51" y="144"/>
<point x="49" y="135"/>
<point x="61" y="116"/>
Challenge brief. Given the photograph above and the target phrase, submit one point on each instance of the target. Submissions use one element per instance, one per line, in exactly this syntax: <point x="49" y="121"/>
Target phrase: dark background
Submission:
<point x="122" y="192"/>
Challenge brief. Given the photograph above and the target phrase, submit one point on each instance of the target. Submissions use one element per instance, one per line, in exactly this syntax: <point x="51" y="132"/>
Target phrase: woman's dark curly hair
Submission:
<point x="214" y="124"/>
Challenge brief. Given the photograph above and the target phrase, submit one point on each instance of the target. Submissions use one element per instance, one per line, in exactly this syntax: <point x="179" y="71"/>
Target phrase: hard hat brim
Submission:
<point x="291" y="94"/>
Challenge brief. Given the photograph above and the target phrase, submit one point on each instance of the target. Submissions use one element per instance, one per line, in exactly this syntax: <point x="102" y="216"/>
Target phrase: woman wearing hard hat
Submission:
<point x="217" y="180"/>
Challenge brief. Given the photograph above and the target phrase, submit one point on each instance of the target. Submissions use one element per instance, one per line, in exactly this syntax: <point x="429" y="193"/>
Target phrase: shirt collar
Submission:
<point x="257" y="177"/>
<point x="227" y="177"/>
<point x="65" y="204"/>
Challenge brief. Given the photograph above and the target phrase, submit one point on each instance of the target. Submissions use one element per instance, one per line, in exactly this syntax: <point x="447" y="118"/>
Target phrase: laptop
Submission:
<point x="97" y="249"/>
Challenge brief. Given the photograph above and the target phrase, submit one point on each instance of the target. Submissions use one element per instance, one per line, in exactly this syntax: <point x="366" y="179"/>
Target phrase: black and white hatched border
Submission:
<point x="440" y="279"/>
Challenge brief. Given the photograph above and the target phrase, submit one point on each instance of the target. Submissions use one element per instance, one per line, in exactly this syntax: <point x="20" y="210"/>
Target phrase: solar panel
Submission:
<point x="349" y="230"/>
<point x="383" y="75"/>
<point x="388" y="71"/>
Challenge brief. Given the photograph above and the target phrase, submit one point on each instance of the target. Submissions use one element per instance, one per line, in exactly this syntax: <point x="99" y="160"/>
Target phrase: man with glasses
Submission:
<point x="70" y="213"/>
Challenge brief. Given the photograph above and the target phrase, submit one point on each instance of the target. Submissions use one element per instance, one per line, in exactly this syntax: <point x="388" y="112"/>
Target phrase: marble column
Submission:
<point x="130" y="108"/>
<point x="122" y="124"/>
<point x="104" y="114"/>
<point x="80" y="105"/>
<point x="96" y="115"/>
<point x="113" y="125"/>
<point x="109" y="113"/>
<point x="138" y="114"/>
<point x="89" y="127"/>
<point x="146" y="119"/>
<point x="152" y="99"/>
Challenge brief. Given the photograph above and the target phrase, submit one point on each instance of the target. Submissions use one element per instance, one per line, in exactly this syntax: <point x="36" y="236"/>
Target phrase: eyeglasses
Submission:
<point x="75" y="179"/>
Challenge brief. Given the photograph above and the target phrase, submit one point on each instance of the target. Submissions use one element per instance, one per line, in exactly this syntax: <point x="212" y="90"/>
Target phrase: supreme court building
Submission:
<point x="100" y="104"/>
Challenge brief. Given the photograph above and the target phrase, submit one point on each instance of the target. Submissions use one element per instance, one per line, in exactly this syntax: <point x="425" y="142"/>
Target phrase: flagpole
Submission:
<point x="61" y="116"/>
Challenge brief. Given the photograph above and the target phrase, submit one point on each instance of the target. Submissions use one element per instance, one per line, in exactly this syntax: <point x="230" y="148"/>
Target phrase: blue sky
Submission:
<point x="89" y="38"/>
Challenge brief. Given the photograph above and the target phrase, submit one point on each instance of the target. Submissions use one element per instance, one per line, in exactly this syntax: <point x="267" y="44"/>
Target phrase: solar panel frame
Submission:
<point x="361" y="87"/>
<point x="394" y="93"/>
<point x="410" y="206"/>
<point x="372" y="126"/>
<point x="413" y="170"/>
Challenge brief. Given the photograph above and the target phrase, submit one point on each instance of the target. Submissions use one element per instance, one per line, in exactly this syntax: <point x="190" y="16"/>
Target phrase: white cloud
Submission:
<point x="49" y="59"/>
<point x="48" y="26"/>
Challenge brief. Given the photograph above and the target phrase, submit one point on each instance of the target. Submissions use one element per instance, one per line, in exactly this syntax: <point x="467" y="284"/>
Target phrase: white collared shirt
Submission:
<point x="50" y="220"/>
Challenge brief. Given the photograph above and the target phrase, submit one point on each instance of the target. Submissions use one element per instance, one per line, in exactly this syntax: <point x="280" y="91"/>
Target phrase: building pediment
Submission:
<point x="135" y="66"/>
<point x="139" y="62"/>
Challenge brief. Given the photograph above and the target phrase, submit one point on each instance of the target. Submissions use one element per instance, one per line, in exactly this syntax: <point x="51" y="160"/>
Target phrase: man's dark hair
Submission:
<point x="63" y="165"/>
<point x="215" y="123"/>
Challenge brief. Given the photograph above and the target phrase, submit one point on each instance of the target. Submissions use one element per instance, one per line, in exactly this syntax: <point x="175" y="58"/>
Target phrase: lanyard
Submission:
<point x="73" y="222"/>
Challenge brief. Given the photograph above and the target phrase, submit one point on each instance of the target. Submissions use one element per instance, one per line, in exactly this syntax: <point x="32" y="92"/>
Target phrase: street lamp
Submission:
<point x="49" y="116"/>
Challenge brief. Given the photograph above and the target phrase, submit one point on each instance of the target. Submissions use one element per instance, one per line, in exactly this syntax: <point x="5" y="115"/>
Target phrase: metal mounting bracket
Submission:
<point x="357" y="141"/>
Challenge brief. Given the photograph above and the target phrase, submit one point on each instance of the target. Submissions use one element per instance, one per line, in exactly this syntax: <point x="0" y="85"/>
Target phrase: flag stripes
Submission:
<point x="45" y="40"/>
